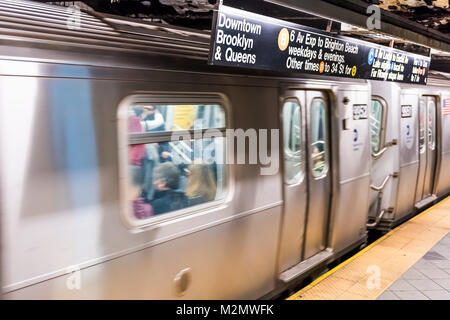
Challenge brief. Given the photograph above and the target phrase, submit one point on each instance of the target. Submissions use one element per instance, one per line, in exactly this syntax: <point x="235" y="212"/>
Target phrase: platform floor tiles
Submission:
<point x="427" y="279"/>
<point x="410" y="262"/>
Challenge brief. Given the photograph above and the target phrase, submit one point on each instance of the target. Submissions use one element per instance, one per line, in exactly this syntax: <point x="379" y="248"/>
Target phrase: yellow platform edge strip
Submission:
<point x="373" y="244"/>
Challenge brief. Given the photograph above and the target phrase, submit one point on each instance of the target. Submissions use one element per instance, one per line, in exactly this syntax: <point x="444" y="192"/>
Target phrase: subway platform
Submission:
<point x="411" y="262"/>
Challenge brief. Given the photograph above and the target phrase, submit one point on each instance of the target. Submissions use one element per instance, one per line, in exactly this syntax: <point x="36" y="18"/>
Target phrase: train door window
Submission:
<point x="175" y="158"/>
<point x="292" y="136"/>
<point x="377" y="112"/>
<point x="431" y="124"/>
<point x="319" y="157"/>
<point x="422" y="129"/>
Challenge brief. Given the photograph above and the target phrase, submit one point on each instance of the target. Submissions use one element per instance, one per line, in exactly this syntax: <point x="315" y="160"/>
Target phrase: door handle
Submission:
<point x="383" y="184"/>
<point x="378" y="154"/>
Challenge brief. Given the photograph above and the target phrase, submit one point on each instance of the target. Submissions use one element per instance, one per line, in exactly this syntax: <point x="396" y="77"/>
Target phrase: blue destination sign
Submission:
<point x="249" y="40"/>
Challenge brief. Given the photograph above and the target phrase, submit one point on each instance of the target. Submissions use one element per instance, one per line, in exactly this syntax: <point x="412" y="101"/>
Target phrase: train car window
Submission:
<point x="319" y="157"/>
<point x="431" y="124"/>
<point x="176" y="159"/>
<point x="422" y="126"/>
<point x="376" y="124"/>
<point x="292" y="136"/>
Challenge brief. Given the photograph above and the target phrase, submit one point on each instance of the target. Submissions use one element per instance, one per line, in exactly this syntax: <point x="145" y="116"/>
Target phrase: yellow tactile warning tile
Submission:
<point x="372" y="270"/>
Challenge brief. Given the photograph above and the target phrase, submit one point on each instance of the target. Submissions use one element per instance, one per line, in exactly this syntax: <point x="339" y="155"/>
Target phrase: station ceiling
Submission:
<point x="416" y="25"/>
<point x="430" y="13"/>
<point x="434" y="14"/>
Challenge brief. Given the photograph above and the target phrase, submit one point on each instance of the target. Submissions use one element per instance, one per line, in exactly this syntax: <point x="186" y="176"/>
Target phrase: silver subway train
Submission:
<point x="118" y="180"/>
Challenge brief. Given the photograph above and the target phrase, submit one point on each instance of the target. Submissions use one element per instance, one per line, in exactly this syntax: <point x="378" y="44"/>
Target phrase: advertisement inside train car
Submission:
<point x="249" y="40"/>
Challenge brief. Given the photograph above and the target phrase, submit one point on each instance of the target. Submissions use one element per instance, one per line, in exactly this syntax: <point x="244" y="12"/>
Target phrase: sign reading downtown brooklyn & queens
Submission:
<point x="249" y="40"/>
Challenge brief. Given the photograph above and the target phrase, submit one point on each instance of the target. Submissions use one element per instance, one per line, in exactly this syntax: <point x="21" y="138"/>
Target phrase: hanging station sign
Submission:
<point x="249" y="40"/>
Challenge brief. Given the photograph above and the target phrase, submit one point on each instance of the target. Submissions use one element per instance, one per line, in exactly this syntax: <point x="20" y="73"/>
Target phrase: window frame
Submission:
<point x="382" y="137"/>
<point x="167" y="98"/>
<point x="287" y="148"/>
<point x="324" y="173"/>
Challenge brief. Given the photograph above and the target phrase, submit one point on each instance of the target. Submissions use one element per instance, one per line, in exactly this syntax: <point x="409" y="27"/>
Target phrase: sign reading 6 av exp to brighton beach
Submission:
<point x="249" y="40"/>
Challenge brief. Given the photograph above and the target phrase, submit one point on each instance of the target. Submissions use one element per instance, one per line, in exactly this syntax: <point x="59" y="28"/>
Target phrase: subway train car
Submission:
<point x="410" y="148"/>
<point x="118" y="180"/>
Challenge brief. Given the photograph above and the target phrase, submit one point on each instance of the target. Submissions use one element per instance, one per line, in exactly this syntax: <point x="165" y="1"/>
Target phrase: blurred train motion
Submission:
<point x="99" y="201"/>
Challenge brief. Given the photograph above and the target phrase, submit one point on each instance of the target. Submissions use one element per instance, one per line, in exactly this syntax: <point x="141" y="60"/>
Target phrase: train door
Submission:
<point x="382" y="160"/>
<point x="306" y="176"/>
<point x="427" y="147"/>
<point x="318" y="173"/>
<point x="295" y="184"/>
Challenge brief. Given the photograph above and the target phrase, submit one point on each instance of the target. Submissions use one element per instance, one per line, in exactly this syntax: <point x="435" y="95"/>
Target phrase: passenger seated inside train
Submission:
<point x="168" y="192"/>
<point x="201" y="184"/>
<point x="166" y="182"/>
<point x="141" y="209"/>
